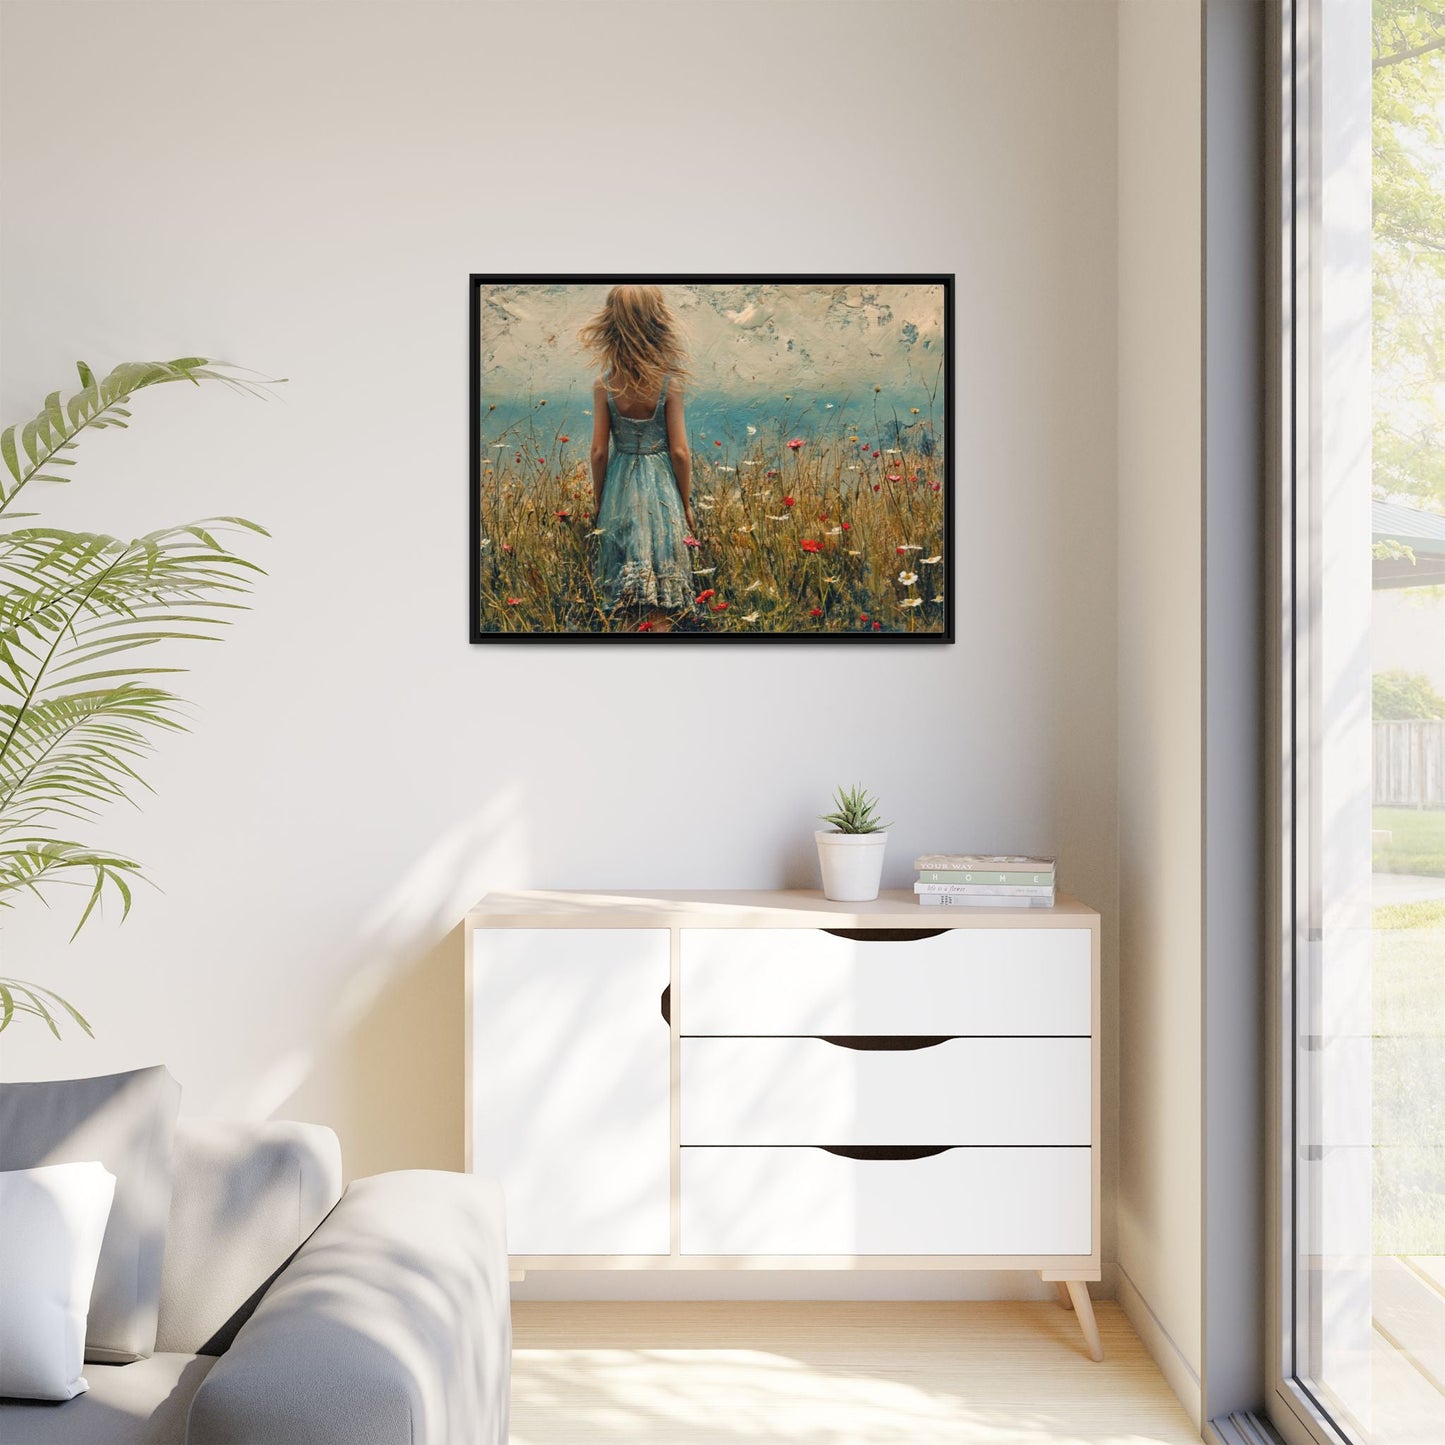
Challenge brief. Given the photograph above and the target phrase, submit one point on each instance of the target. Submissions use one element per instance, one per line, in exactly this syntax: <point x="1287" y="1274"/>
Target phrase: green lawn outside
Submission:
<point x="1417" y="841"/>
<point x="1408" y="964"/>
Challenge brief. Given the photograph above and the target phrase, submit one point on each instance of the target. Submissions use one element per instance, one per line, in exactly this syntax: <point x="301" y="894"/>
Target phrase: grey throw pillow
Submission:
<point x="128" y="1123"/>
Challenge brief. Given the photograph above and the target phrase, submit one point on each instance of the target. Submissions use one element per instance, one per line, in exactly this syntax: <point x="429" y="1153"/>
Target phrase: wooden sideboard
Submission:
<point x="722" y="1080"/>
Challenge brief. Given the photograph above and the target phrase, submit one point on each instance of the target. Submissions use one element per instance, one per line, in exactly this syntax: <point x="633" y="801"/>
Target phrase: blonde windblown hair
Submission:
<point x="637" y="340"/>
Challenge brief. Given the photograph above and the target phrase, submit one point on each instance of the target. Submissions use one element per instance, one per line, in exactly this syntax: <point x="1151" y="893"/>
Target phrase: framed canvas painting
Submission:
<point x="711" y="458"/>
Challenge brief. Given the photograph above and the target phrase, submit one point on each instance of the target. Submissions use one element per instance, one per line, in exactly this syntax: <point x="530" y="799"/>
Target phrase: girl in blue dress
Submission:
<point x="641" y="466"/>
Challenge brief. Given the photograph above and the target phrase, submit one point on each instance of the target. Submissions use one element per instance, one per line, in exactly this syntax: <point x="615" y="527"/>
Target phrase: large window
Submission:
<point x="1363" y="726"/>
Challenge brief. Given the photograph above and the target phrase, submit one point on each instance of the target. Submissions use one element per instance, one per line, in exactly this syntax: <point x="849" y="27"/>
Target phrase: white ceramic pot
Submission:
<point x="852" y="864"/>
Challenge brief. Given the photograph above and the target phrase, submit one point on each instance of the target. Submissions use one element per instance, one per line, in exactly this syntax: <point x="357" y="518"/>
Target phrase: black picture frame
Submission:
<point x="476" y="408"/>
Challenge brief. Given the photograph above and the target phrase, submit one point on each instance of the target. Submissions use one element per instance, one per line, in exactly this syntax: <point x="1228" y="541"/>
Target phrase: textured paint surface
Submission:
<point x="747" y="343"/>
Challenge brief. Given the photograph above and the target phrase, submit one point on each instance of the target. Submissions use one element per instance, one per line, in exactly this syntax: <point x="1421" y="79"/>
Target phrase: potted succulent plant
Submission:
<point x="850" y="852"/>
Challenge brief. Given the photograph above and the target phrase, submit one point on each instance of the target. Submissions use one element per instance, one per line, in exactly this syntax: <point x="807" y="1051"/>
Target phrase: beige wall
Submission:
<point x="1160" y="680"/>
<point x="304" y="188"/>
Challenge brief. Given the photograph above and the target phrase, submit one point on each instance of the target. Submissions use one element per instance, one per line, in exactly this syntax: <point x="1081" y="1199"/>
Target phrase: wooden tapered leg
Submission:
<point x="1063" y="1290"/>
<point x="1084" y="1309"/>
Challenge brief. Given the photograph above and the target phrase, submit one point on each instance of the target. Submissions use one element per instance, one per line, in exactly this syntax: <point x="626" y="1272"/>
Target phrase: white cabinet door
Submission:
<point x="570" y="1091"/>
<point x="963" y="981"/>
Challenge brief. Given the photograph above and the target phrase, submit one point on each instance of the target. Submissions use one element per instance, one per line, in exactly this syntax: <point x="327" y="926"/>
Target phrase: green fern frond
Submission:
<point x="80" y="616"/>
<point x="19" y="997"/>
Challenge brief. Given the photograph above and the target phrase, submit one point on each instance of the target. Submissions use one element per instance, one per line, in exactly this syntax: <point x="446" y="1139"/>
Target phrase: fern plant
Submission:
<point x="855" y="812"/>
<point x="82" y="694"/>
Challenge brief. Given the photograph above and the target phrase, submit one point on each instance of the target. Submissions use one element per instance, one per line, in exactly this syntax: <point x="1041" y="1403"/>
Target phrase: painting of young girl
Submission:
<point x="711" y="458"/>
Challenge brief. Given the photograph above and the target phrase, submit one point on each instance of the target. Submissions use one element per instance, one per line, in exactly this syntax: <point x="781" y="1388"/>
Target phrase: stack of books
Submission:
<point x="985" y="880"/>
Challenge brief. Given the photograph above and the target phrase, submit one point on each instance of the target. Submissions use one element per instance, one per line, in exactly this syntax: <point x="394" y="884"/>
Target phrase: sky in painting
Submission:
<point x="801" y="355"/>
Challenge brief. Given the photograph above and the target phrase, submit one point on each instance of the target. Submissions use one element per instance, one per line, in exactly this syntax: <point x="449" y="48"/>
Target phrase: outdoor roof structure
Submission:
<point x="1422" y="532"/>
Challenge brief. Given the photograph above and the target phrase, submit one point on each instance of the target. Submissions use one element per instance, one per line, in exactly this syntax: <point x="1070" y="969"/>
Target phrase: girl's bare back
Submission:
<point x="635" y="405"/>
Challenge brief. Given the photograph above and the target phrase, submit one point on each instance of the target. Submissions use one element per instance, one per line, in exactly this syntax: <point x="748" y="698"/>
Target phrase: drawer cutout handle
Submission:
<point x="886" y="935"/>
<point x="885" y="1151"/>
<point x="891" y="1043"/>
<point x="667" y="1005"/>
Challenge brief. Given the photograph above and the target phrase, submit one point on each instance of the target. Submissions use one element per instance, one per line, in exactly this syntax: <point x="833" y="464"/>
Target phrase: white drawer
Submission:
<point x="1022" y="1202"/>
<point x="960" y="1091"/>
<point x="961" y="981"/>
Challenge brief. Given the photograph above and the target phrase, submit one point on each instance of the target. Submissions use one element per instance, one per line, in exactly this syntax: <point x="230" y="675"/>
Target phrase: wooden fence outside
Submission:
<point x="1410" y="764"/>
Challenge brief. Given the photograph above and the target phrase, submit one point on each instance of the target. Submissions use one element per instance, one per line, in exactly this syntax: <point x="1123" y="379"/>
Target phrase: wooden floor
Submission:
<point x="832" y="1374"/>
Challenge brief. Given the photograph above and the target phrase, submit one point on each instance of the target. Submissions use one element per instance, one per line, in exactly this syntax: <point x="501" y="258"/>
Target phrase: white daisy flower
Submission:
<point x="783" y="518"/>
<point x="832" y="579"/>
<point x="908" y="547"/>
<point x="929" y="561"/>
<point x="752" y="587"/>
<point x="833" y="532"/>
<point x="912" y="602"/>
<point x="743" y="531"/>
<point x="752" y="431"/>
<point x="596" y="531"/>
<point x="485" y="542"/>
<point x="727" y="469"/>
<point x="938" y="598"/>
<point x="703" y="571"/>
<point x="908" y="578"/>
<point x="854" y="552"/>
<point x="892" y="452"/>
<point x="751" y="617"/>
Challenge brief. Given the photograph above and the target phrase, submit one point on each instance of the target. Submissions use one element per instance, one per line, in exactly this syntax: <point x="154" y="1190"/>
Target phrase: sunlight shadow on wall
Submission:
<point x="387" y="1073"/>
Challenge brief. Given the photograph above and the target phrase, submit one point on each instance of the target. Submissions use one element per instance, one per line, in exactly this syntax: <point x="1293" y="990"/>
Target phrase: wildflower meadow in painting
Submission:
<point x="711" y="458"/>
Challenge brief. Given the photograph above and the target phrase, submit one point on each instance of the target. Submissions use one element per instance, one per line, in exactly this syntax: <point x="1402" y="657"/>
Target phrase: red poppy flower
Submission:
<point x="933" y="486"/>
<point x="563" y="516"/>
<point x="787" y="501"/>
<point x="691" y="541"/>
<point x="876" y="487"/>
<point x="703" y="596"/>
<point x="506" y="546"/>
<point x="514" y="602"/>
<point x="913" y="476"/>
<point x="895" y="477"/>
<point x="862" y="617"/>
<point x="816" y="612"/>
<point x="717" y="444"/>
<point x="564" y="439"/>
<point x="847" y="526"/>
<point x="519" y="456"/>
<point x="877" y="627"/>
<point x="902" y="550"/>
<point x="770" y="474"/>
<point x="795" y="444"/>
<point x="822" y="516"/>
<point x="876" y="455"/>
<point x="644" y="627"/>
<point x="809" y="545"/>
<point x="719" y="607"/>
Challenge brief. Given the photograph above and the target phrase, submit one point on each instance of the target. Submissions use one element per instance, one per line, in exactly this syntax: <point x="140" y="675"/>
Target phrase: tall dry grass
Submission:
<point x="843" y="534"/>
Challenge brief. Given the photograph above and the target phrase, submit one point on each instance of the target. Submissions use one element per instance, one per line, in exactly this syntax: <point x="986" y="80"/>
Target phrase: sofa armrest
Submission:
<point x="391" y="1326"/>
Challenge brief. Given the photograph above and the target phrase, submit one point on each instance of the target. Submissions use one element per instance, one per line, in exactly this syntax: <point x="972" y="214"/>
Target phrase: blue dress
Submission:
<point x="643" y="561"/>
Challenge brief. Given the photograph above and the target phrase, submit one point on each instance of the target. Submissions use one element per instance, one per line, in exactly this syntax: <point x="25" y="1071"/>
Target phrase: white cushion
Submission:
<point x="52" y="1220"/>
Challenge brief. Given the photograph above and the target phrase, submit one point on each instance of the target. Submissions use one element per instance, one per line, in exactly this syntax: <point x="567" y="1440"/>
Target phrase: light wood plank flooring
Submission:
<point x="595" y="1373"/>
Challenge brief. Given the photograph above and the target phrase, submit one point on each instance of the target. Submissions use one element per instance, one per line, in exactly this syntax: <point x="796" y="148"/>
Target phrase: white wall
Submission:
<point x="304" y="188"/>
<point x="1160" y="680"/>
